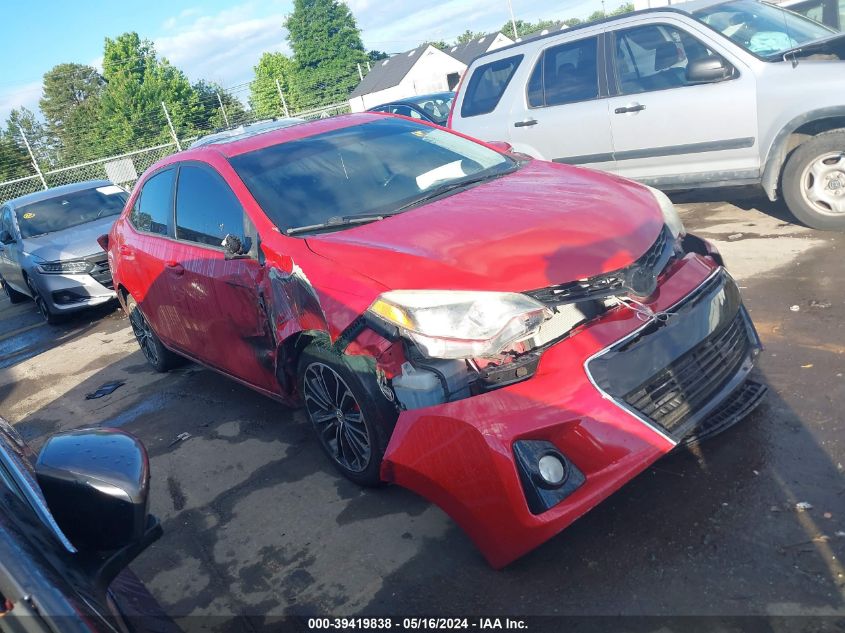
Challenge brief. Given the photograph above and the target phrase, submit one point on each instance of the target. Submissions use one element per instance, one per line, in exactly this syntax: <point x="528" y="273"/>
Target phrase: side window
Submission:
<point x="6" y="221"/>
<point x="655" y="57"/>
<point x="206" y="209"/>
<point x="567" y="73"/>
<point x="152" y="210"/>
<point x="487" y="85"/>
<point x="400" y="109"/>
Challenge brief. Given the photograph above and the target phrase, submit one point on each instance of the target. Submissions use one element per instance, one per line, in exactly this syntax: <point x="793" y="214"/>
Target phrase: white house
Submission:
<point x="420" y="71"/>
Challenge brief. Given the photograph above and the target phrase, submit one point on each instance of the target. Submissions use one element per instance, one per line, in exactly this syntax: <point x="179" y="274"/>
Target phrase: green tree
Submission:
<point x="263" y="92"/>
<point x="527" y="28"/>
<point x="374" y="56"/>
<point x="137" y="83"/>
<point x="327" y="49"/>
<point x="212" y="116"/>
<point x="23" y="121"/>
<point x="468" y="36"/>
<point x="14" y="161"/>
<point x="625" y="8"/>
<point x="70" y="105"/>
<point x="438" y="44"/>
<point x="570" y="22"/>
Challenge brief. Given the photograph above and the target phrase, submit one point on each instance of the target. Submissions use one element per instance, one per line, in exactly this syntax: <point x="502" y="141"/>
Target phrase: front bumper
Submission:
<point x="611" y="399"/>
<point x="71" y="292"/>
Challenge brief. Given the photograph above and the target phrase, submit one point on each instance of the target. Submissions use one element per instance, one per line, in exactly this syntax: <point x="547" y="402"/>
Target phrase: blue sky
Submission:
<point x="222" y="40"/>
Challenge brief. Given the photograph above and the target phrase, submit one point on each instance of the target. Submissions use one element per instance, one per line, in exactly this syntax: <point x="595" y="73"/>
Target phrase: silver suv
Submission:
<point x="49" y="250"/>
<point x="701" y="94"/>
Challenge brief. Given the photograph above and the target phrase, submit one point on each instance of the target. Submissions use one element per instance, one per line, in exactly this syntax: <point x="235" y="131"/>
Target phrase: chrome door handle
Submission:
<point x="526" y="123"/>
<point x="636" y="107"/>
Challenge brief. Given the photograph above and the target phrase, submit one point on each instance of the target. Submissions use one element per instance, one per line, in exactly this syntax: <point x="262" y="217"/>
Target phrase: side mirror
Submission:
<point x="502" y="146"/>
<point x="236" y="247"/>
<point x="6" y="237"/>
<point x="708" y="69"/>
<point x="103" y="241"/>
<point x="96" y="484"/>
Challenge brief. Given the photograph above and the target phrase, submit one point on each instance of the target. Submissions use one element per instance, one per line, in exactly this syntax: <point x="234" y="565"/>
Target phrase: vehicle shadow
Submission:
<point x="745" y="198"/>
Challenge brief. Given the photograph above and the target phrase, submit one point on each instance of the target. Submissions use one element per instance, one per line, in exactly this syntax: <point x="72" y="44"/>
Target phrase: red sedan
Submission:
<point x="512" y="339"/>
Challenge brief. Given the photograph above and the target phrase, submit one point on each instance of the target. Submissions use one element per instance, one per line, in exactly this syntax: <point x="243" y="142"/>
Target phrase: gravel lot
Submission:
<point x="257" y="523"/>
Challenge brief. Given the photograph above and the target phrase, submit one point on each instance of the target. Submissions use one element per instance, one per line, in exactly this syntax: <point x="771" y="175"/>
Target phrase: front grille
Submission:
<point x="640" y="278"/>
<point x="678" y="392"/>
<point x="100" y="270"/>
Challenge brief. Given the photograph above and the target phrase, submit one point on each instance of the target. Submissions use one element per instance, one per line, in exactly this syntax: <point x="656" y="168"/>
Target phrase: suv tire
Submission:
<point x="814" y="181"/>
<point x="351" y="417"/>
<point x="14" y="295"/>
<point x="158" y="356"/>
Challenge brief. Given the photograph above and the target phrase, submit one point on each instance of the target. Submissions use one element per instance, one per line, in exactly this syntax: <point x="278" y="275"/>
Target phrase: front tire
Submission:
<point x="14" y="295"/>
<point x="814" y="182"/>
<point x="43" y="307"/>
<point x="158" y="356"/>
<point x="351" y="417"/>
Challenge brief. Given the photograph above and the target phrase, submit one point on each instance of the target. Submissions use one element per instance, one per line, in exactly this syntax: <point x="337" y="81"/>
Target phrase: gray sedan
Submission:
<point x="49" y="250"/>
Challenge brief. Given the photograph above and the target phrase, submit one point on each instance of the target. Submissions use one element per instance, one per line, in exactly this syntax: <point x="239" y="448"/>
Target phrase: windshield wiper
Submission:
<point x="335" y="222"/>
<point x="444" y="189"/>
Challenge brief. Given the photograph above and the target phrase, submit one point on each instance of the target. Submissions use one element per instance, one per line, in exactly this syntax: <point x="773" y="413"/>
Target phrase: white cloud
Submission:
<point x="225" y="46"/>
<point x="26" y="95"/>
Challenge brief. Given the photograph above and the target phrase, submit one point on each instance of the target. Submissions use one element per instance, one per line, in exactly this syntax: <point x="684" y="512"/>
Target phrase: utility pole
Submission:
<point x="513" y="20"/>
<point x="360" y="74"/>
<point x="368" y="66"/>
<point x="170" y="125"/>
<point x="32" y="157"/>
<point x="222" y="107"/>
<point x="282" y="97"/>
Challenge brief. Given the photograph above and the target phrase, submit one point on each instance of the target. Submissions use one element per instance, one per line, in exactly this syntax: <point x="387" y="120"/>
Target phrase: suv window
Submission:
<point x="206" y="209"/>
<point x="655" y="57"/>
<point x="6" y="221"/>
<point x="487" y="85"/>
<point x="565" y="74"/>
<point x="152" y="210"/>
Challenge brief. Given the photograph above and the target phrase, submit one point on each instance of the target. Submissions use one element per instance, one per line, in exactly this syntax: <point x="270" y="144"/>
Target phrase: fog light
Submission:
<point x="551" y="470"/>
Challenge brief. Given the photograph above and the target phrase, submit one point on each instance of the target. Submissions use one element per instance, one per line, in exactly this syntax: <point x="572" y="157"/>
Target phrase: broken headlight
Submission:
<point x="461" y="324"/>
<point x="670" y="214"/>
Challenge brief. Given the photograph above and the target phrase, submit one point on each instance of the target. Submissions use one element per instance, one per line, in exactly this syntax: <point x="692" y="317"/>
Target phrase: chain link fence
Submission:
<point x="124" y="169"/>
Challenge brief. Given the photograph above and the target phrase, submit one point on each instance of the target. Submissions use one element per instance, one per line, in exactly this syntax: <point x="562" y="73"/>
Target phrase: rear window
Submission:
<point x="487" y="85"/>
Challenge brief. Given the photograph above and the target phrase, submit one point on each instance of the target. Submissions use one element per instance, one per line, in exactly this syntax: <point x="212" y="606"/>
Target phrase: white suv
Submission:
<point x="701" y="94"/>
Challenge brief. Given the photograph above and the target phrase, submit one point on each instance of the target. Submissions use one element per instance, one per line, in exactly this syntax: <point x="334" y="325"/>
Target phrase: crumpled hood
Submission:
<point x="542" y="225"/>
<point x="72" y="243"/>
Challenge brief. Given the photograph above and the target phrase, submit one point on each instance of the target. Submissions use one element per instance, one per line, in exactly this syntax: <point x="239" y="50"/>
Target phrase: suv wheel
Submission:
<point x="814" y="181"/>
<point x="157" y="355"/>
<point x="14" y="295"/>
<point x="351" y="417"/>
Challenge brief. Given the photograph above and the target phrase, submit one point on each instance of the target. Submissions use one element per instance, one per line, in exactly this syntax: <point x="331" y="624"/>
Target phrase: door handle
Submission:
<point x="175" y="267"/>
<point x="636" y="107"/>
<point x="526" y="123"/>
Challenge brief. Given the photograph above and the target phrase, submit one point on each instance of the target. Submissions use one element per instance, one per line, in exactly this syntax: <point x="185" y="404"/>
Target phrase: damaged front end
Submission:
<point x="588" y="384"/>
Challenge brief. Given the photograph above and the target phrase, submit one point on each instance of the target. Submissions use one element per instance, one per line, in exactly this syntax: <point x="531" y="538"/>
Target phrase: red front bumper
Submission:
<point x="460" y="455"/>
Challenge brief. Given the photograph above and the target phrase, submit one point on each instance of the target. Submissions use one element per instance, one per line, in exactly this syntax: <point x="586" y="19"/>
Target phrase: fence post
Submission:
<point x="170" y="125"/>
<point x="32" y="157"/>
<point x="282" y="97"/>
<point x="222" y="107"/>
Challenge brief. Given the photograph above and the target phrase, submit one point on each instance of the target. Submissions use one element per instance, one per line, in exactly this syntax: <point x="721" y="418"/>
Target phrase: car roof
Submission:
<point x="237" y="146"/>
<point x="55" y="192"/>
<point x="414" y="101"/>
<point x="685" y="8"/>
<point x="245" y="131"/>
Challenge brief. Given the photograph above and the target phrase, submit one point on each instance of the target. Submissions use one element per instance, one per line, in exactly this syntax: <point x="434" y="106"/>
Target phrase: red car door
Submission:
<point x="143" y="250"/>
<point x="221" y="318"/>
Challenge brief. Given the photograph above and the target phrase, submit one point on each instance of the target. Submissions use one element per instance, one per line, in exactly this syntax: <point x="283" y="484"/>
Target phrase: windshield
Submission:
<point x="72" y="209"/>
<point x="361" y="170"/>
<point x="436" y="107"/>
<point x="763" y="29"/>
